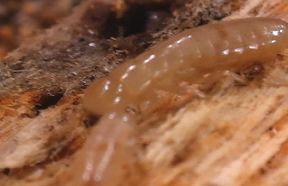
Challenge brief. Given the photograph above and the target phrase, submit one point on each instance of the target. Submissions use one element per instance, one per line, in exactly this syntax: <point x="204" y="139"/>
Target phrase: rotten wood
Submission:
<point x="237" y="135"/>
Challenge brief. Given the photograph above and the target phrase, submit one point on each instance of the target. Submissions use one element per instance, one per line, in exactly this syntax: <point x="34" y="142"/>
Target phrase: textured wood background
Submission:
<point x="237" y="135"/>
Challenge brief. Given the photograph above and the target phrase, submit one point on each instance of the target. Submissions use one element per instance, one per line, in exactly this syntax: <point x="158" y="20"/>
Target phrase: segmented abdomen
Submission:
<point x="225" y="45"/>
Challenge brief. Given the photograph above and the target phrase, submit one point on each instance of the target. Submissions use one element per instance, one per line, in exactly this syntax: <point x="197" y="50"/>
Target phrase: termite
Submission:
<point x="221" y="46"/>
<point x="188" y="56"/>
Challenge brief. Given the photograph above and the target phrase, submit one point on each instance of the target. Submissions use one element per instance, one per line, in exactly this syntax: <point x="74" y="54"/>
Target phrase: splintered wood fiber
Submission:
<point x="235" y="134"/>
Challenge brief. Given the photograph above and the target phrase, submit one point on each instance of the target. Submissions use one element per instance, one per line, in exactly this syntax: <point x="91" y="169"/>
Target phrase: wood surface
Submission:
<point x="236" y="135"/>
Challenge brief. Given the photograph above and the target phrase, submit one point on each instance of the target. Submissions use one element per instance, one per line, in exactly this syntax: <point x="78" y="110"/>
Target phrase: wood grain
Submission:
<point x="236" y="135"/>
